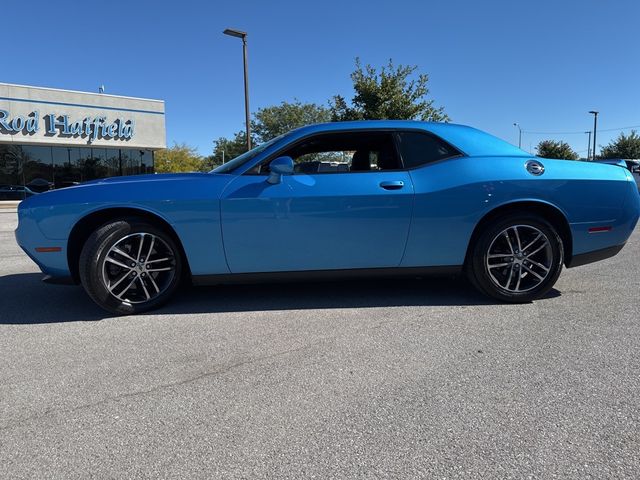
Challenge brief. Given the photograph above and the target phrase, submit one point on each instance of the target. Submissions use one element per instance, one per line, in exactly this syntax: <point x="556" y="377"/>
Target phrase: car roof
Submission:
<point x="471" y="141"/>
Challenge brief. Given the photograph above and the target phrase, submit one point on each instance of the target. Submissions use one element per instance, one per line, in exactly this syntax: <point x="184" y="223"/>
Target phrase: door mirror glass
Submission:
<point x="279" y="167"/>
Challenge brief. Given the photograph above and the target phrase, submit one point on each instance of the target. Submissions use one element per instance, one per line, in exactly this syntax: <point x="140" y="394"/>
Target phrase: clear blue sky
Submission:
<point x="541" y="63"/>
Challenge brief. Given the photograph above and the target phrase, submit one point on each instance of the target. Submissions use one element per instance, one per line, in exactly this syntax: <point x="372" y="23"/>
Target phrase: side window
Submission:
<point x="342" y="153"/>
<point x="421" y="148"/>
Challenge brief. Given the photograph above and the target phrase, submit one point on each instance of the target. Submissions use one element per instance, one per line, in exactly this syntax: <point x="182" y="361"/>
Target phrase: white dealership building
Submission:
<point x="52" y="138"/>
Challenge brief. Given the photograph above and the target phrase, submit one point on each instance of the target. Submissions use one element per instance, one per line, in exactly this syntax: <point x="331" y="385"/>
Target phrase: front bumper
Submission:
<point x="29" y="237"/>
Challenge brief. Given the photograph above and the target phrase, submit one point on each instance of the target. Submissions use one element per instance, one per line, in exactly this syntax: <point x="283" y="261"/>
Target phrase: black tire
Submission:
<point x="493" y="269"/>
<point x="152" y="284"/>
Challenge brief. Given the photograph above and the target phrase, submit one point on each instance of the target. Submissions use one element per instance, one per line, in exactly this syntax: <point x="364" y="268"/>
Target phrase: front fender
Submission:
<point x="190" y="205"/>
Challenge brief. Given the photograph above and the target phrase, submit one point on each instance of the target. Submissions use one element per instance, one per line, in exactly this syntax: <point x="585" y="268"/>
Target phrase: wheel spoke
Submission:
<point x="140" y="247"/>
<point x="510" y="277"/>
<point x="527" y="246"/>
<point x="165" y="269"/>
<point x="153" y="282"/>
<point x="537" y="264"/>
<point x="515" y="229"/>
<point x="506" y="235"/>
<point x="116" y="262"/>
<point x="124" y="254"/>
<point x="153" y="241"/>
<point x="111" y="288"/>
<point x="126" y="289"/>
<point x="500" y="265"/>
<point x="144" y="287"/>
<point x="158" y="260"/>
<point x="539" y="277"/>
<point x="538" y="249"/>
<point x="519" y="273"/>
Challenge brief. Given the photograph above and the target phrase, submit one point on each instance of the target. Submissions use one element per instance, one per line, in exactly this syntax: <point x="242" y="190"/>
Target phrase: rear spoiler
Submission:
<point x="618" y="162"/>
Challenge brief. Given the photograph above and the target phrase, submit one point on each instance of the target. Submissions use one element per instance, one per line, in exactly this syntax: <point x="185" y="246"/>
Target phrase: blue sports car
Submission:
<point x="353" y="198"/>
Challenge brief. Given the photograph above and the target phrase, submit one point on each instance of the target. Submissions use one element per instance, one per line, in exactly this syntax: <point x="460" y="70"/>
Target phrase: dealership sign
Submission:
<point x="91" y="128"/>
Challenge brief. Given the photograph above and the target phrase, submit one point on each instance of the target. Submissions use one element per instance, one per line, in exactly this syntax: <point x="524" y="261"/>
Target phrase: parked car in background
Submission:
<point x="15" y="192"/>
<point x="634" y="168"/>
<point x="39" y="185"/>
<point x="410" y="198"/>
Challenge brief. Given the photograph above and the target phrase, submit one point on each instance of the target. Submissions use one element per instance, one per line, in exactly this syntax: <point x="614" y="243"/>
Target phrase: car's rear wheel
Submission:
<point x="130" y="266"/>
<point x="517" y="258"/>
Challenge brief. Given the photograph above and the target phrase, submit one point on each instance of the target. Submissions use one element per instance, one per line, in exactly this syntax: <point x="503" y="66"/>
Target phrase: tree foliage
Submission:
<point x="395" y="92"/>
<point x="178" y="158"/>
<point x="392" y="93"/>
<point x="625" y="146"/>
<point x="556" y="149"/>
<point x="226" y="149"/>
<point x="269" y="122"/>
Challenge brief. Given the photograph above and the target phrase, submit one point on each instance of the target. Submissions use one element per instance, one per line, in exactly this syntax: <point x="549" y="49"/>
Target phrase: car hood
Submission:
<point x="153" y="177"/>
<point x="135" y="190"/>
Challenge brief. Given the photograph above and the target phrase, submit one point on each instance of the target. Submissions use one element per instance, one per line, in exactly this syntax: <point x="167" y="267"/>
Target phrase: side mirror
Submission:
<point x="279" y="167"/>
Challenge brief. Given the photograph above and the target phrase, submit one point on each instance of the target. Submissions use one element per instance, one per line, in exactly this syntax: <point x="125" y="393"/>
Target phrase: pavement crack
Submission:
<point x="128" y="395"/>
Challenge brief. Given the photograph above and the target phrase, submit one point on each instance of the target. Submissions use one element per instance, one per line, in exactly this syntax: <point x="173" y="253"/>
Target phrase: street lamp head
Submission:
<point x="235" y="33"/>
<point x="593" y="112"/>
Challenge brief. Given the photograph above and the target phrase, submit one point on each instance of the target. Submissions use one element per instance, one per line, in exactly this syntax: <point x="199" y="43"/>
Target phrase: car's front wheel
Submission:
<point x="517" y="258"/>
<point x="130" y="266"/>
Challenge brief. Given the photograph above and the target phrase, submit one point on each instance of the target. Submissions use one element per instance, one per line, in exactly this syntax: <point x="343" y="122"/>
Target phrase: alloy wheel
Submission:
<point x="519" y="258"/>
<point x="138" y="268"/>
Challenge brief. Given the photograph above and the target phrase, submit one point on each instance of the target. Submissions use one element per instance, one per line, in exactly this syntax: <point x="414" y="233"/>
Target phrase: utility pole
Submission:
<point x="243" y="35"/>
<point x="519" y="134"/>
<point x="595" y="129"/>
<point x="589" y="145"/>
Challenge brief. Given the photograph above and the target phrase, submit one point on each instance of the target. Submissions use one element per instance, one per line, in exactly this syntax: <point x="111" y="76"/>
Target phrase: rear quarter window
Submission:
<point x="418" y="149"/>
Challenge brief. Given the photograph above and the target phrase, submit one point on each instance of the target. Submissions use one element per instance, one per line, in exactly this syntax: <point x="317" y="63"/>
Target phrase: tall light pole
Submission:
<point x="589" y="145"/>
<point x="243" y="35"/>
<point x="595" y="129"/>
<point x="519" y="134"/>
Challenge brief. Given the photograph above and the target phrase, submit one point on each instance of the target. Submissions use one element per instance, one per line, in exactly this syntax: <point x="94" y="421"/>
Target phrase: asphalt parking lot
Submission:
<point x="379" y="379"/>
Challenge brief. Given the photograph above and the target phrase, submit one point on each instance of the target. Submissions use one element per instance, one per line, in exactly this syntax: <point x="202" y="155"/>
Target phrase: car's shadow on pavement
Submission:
<point x="26" y="300"/>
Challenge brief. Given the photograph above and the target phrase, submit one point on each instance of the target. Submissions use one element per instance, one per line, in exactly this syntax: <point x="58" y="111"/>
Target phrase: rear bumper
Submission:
<point x="592" y="243"/>
<point x="594" y="256"/>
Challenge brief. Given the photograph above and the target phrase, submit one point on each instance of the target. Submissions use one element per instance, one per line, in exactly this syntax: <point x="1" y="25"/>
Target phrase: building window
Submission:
<point x="43" y="168"/>
<point x="66" y="166"/>
<point x="36" y="168"/>
<point x="10" y="172"/>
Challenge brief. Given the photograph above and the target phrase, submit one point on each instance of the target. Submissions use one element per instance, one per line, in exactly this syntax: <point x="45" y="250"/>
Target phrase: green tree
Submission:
<point x="269" y="122"/>
<point x="556" y="149"/>
<point x="625" y="146"/>
<point x="178" y="158"/>
<point x="226" y="149"/>
<point x="392" y="93"/>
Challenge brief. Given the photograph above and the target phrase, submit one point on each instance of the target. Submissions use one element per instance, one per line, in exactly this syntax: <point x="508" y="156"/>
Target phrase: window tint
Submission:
<point x="421" y="148"/>
<point x="342" y="153"/>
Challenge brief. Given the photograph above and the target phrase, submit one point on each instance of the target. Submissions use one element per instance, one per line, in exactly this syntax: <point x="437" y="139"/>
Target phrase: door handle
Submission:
<point x="394" y="185"/>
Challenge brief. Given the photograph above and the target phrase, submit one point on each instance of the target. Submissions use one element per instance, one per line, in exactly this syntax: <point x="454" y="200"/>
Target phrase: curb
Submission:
<point x="9" y="205"/>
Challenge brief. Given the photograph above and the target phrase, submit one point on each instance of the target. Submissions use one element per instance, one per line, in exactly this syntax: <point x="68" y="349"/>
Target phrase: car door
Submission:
<point x="330" y="214"/>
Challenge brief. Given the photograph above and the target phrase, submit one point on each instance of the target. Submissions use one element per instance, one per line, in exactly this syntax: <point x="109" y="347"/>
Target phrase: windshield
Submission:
<point x="245" y="157"/>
